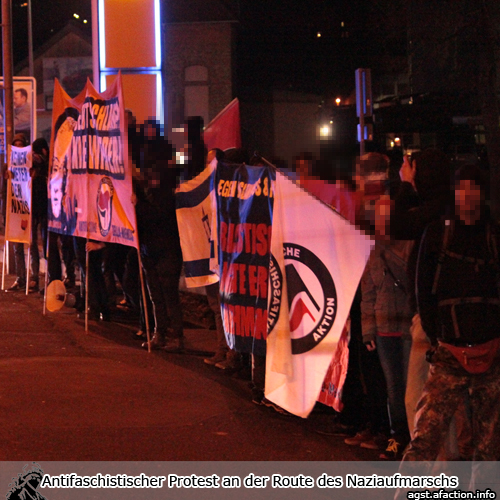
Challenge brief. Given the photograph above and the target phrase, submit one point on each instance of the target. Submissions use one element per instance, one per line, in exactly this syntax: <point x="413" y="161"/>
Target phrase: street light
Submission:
<point x="325" y="131"/>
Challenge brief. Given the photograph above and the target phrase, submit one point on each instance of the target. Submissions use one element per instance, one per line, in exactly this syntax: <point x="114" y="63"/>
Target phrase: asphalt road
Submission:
<point x="67" y="394"/>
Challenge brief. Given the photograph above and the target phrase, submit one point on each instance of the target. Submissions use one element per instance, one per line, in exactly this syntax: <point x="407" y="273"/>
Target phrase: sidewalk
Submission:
<point x="67" y="394"/>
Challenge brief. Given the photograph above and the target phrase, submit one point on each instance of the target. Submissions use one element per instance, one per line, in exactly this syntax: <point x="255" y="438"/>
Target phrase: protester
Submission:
<point x="422" y="197"/>
<point x="364" y="420"/>
<point x="159" y="238"/>
<point x="39" y="173"/>
<point x="386" y="319"/>
<point x="457" y="293"/>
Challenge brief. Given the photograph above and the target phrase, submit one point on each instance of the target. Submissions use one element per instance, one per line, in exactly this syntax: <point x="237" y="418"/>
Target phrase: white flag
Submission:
<point x="195" y="206"/>
<point x="323" y="257"/>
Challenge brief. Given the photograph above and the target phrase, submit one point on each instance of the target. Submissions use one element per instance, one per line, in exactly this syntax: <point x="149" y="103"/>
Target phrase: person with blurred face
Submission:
<point x="385" y="320"/>
<point x="39" y="172"/>
<point x="422" y="197"/>
<point x="458" y="300"/>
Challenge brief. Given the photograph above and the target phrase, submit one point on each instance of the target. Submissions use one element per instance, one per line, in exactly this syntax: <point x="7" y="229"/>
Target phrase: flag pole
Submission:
<point x="3" y="263"/>
<point x="87" y="285"/>
<point x="47" y="248"/>
<point x="144" y="301"/>
<point x="27" y="263"/>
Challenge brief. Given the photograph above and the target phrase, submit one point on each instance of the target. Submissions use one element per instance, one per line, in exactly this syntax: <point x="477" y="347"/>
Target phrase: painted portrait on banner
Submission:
<point x="62" y="213"/>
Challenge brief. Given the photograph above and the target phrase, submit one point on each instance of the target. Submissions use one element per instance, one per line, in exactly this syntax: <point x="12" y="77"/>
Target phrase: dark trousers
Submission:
<point x="213" y="298"/>
<point x="37" y="221"/>
<point x="162" y="277"/>
<point x="98" y="298"/>
<point x="394" y="353"/>
<point x="54" y="258"/>
<point x="20" y="261"/>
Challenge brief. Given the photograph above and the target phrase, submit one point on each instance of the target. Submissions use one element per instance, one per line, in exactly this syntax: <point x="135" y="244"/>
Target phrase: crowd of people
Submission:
<point x="428" y="306"/>
<point x="423" y="380"/>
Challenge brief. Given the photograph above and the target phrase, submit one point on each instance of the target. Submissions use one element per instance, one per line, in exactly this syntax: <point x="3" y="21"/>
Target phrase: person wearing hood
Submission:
<point x="423" y="197"/>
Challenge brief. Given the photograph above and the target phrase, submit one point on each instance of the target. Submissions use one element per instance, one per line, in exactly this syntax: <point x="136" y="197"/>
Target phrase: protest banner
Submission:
<point x="18" y="209"/>
<point x="24" y="109"/>
<point x="195" y="206"/>
<point x="318" y="258"/>
<point x="244" y="221"/>
<point x="223" y="131"/>
<point x="18" y="213"/>
<point x="90" y="179"/>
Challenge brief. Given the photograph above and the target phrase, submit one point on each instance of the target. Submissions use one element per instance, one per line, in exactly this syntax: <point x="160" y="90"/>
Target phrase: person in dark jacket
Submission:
<point x="39" y="174"/>
<point x="423" y="196"/>
<point x="159" y="238"/>
<point x="458" y="301"/>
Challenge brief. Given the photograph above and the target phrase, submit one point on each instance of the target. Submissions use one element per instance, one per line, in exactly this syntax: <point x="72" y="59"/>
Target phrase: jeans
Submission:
<point x="394" y="354"/>
<point x="418" y="369"/>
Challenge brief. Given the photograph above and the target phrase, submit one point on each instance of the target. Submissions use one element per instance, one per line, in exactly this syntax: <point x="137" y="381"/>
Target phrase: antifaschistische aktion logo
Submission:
<point x="104" y="203"/>
<point x="311" y="314"/>
<point x="24" y="487"/>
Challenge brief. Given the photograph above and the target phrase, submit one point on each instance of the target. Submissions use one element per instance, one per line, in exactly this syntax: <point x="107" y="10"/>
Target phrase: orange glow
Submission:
<point x="131" y="26"/>
<point x="139" y="93"/>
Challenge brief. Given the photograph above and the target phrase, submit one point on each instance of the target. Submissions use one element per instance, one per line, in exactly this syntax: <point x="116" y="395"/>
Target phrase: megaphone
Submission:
<point x="57" y="296"/>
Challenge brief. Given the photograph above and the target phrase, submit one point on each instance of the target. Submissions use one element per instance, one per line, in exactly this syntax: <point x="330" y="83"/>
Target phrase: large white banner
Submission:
<point x="318" y="260"/>
<point x="18" y="213"/>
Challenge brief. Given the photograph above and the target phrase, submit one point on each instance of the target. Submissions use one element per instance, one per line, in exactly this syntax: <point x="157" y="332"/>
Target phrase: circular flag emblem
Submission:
<point x="312" y="297"/>
<point x="104" y="205"/>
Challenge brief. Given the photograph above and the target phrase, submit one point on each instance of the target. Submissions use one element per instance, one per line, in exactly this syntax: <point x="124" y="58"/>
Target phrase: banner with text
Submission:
<point x="18" y="213"/>
<point x="244" y="219"/>
<point x="323" y="257"/>
<point x="90" y="180"/>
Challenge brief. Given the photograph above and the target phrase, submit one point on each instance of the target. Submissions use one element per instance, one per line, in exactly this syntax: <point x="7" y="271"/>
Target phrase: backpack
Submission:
<point x="445" y="252"/>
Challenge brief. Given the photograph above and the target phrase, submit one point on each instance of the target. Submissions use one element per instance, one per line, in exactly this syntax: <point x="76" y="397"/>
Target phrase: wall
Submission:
<point x="208" y="45"/>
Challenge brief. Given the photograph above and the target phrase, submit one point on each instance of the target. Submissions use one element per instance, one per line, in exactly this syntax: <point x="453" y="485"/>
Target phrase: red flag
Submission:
<point x="223" y="131"/>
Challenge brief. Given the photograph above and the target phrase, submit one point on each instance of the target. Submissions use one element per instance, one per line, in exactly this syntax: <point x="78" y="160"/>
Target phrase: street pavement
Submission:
<point x="68" y="394"/>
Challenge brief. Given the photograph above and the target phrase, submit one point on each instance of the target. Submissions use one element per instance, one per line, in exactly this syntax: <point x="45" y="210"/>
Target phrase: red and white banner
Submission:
<point x="223" y="132"/>
<point x="318" y="261"/>
<point x="18" y="213"/>
<point x="90" y="179"/>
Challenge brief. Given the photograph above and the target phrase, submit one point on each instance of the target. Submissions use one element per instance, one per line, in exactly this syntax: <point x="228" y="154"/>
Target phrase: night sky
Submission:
<point x="278" y="44"/>
<point x="49" y="16"/>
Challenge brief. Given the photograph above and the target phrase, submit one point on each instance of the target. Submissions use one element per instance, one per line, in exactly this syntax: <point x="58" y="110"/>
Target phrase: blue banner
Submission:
<point x="245" y="196"/>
